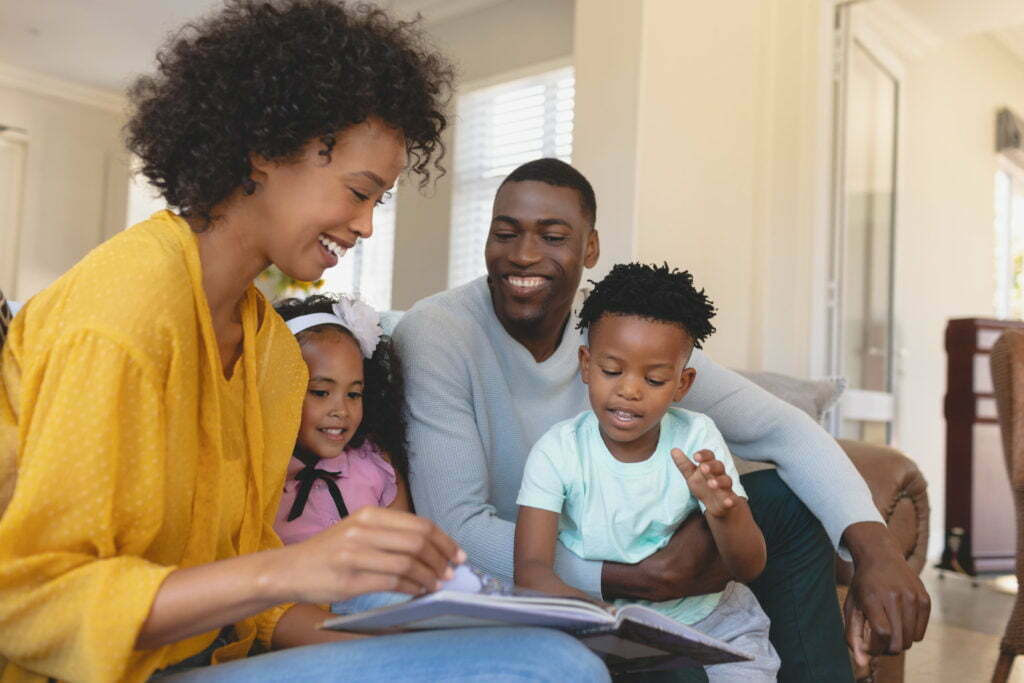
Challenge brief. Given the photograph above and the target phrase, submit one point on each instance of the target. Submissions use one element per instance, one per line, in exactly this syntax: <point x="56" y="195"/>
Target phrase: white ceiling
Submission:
<point x="951" y="19"/>
<point x="105" y="43"/>
<point x="945" y="20"/>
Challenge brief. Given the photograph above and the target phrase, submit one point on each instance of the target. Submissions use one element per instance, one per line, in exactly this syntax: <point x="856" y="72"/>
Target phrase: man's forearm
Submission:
<point x="688" y="565"/>
<point x="866" y="540"/>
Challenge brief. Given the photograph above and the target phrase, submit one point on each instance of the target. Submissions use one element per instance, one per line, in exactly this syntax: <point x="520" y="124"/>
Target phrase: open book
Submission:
<point x="633" y="638"/>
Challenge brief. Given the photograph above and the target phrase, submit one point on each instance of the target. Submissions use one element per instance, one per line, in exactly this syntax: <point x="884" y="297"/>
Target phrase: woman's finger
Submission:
<point x="402" y="542"/>
<point x="394" y="564"/>
<point x="372" y="582"/>
<point x="406" y="521"/>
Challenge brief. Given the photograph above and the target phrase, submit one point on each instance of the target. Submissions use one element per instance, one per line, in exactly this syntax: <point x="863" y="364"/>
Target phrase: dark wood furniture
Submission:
<point x="979" y="520"/>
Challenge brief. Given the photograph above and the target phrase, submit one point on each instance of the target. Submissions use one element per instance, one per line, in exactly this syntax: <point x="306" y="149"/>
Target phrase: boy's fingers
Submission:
<point x="682" y="462"/>
<point x="704" y="456"/>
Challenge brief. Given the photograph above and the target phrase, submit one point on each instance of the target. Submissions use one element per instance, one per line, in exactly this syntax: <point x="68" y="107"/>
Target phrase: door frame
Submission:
<point x="853" y="24"/>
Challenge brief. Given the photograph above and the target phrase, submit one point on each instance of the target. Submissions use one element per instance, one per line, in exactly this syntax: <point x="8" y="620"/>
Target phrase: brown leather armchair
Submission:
<point x="900" y="493"/>
<point x="897" y="486"/>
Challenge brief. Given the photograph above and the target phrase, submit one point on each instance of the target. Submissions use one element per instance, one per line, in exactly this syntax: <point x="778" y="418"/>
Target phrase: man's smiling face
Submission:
<point x="539" y="243"/>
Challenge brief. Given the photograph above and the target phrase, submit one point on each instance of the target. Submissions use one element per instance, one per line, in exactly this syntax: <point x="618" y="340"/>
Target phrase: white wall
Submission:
<point x="945" y="235"/>
<point x="493" y="40"/>
<point x="701" y="128"/>
<point x="729" y="177"/>
<point x="76" y="178"/>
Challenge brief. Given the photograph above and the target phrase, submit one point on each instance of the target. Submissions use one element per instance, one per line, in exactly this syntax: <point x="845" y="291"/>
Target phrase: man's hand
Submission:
<point x="689" y="565"/>
<point x="885" y="591"/>
<point x="707" y="481"/>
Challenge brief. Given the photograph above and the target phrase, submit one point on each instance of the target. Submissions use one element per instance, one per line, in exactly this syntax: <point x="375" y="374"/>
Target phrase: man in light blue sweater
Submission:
<point x="491" y="365"/>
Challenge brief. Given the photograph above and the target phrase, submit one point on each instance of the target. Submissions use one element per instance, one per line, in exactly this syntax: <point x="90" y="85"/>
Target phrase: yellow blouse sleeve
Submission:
<point x="74" y="587"/>
<point x="266" y="621"/>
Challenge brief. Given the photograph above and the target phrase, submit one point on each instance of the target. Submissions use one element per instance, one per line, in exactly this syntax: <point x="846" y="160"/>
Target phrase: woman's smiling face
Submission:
<point x="316" y="206"/>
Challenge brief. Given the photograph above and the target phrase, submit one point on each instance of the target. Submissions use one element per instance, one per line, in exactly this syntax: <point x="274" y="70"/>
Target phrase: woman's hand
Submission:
<point x="375" y="549"/>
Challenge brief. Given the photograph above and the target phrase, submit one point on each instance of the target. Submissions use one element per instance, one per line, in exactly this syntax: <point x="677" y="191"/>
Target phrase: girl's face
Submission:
<point x="333" y="407"/>
<point x="314" y="208"/>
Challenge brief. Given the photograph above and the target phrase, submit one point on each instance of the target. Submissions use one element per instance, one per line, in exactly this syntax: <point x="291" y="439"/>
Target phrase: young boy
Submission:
<point x="615" y="482"/>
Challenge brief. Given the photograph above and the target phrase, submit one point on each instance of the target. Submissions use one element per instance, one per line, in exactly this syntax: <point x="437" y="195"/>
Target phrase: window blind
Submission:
<point x="500" y="127"/>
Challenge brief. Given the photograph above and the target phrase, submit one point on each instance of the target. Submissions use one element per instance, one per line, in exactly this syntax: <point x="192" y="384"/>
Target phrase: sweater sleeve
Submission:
<point x="450" y="475"/>
<point x="761" y="427"/>
<point x="74" y="589"/>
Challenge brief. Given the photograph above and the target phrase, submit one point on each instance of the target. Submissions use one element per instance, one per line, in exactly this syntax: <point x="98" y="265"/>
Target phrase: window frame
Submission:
<point x="1003" y="238"/>
<point x="459" y="232"/>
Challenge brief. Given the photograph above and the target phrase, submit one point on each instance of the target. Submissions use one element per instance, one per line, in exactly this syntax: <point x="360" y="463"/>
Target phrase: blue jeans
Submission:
<point x="481" y="654"/>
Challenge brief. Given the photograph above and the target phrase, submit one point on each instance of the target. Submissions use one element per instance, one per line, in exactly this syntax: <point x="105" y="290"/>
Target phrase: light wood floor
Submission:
<point x="963" y="636"/>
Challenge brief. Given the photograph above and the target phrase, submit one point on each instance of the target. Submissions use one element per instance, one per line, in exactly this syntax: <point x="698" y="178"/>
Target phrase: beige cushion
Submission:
<point x="813" y="396"/>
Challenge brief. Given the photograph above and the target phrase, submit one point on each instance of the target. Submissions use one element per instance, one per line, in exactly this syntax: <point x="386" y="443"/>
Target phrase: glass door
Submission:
<point x="866" y="119"/>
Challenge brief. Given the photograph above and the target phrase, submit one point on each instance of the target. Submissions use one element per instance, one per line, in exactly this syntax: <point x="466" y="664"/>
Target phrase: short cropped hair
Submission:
<point x="652" y="292"/>
<point x="560" y="174"/>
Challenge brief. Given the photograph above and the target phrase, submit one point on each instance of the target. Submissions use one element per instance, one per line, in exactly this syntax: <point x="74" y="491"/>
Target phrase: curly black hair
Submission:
<point x="268" y="76"/>
<point x="383" y="395"/>
<point x="653" y="292"/>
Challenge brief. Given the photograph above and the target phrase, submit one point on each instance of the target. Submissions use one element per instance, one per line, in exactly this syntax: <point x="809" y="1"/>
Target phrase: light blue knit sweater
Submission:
<point x="478" y="401"/>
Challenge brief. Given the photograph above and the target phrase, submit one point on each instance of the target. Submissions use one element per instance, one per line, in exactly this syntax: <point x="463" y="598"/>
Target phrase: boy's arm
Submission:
<point x="536" y="534"/>
<point x="739" y="540"/>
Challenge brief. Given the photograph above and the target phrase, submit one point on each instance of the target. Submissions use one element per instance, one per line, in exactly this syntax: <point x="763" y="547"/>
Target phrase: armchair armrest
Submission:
<point x="900" y="493"/>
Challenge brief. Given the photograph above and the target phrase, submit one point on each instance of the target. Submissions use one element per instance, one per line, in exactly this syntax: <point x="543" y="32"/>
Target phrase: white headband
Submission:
<point x="355" y="316"/>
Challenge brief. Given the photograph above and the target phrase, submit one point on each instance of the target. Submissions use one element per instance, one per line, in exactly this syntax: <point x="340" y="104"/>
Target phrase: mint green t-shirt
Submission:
<point x="618" y="511"/>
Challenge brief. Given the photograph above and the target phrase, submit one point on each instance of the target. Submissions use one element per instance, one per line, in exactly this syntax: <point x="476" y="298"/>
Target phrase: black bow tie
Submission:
<point x="306" y="477"/>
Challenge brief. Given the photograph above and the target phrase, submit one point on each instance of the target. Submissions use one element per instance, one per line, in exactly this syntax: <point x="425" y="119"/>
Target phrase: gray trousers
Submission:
<point x="739" y="620"/>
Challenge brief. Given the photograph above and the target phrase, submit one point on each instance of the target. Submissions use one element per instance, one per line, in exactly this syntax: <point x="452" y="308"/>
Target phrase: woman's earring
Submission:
<point x="249" y="186"/>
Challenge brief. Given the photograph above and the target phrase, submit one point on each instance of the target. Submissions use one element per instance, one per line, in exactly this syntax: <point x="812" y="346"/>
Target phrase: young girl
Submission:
<point x="350" y="451"/>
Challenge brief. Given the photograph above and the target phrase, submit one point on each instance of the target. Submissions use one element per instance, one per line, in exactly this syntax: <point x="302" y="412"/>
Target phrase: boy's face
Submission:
<point x="634" y="369"/>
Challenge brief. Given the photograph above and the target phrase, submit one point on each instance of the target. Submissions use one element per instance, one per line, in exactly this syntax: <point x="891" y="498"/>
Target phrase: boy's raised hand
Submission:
<point x="707" y="481"/>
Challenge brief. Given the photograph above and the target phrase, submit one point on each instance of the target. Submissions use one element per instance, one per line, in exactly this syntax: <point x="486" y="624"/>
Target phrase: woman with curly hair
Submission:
<point x="150" y="398"/>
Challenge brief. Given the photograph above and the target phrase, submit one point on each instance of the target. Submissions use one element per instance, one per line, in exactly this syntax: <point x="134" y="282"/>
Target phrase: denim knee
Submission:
<point x="557" y="657"/>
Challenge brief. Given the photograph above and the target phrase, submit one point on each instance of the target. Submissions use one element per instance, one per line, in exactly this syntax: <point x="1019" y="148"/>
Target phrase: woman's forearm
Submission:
<point x="207" y="597"/>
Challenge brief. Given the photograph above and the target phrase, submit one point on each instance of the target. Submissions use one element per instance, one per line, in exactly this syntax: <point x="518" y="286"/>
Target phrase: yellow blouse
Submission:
<point x="125" y="453"/>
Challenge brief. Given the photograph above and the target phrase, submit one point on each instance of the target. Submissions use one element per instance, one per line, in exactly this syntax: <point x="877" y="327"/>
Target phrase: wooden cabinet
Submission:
<point x="979" y="507"/>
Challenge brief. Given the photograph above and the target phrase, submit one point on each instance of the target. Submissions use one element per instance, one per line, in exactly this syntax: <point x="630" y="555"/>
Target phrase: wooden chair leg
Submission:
<point x="1003" y="665"/>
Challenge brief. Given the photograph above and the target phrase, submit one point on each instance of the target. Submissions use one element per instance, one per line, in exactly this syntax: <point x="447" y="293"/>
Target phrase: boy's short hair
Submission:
<point x="653" y="292"/>
<point x="557" y="173"/>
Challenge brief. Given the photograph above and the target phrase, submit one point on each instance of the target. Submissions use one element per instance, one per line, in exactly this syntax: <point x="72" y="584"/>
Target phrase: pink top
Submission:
<point x="366" y="478"/>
